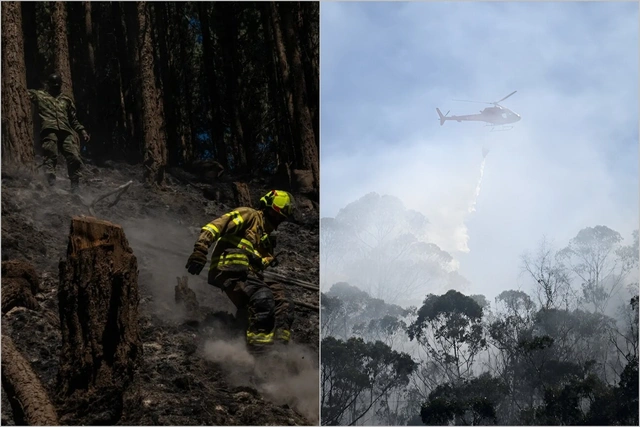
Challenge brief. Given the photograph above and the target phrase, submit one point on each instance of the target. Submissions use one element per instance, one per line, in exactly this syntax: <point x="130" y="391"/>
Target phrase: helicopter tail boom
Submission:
<point x="442" y="117"/>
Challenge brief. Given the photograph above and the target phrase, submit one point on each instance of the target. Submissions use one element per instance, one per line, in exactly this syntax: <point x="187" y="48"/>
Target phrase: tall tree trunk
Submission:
<point x="167" y="75"/>
<point x="285" y="76"/>
<point x="302" y="116"/>
<point x="186" y="119"/>
<point x="125" y="39"/>
<point x="88" y="27"/>
<point x="17" y="130"/>
<point x="229" y="38"/>
<point x="61" y="56"/>
<point x="98" y="84"/>
<point x="211" y="81"/>
<point x="85" y="78"/>
<point x="155" y="144"/>
<point x="282" y="126"/>
<point x="30" y="32"/>
<point x="310" y="35"/>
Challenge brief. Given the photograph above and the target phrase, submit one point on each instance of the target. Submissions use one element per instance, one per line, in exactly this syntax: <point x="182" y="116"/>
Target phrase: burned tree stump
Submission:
<point x="29" y="400"/>
<point x="98" y="301"/>
<point x="185" y="295"/>
<point x="19" y="285"/>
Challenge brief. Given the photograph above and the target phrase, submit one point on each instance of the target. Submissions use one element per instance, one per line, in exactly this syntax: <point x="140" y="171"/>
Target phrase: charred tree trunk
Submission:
<point x="155" y="144"/>
<point x="228" y="39"/>
<point x="282" y="135"/>
<point x="127" y="140"/>
<point x="98" y="303"/>
<point x="285" y="75"/>
<point x="211" y="81"/>
<point x="285" y="26"/>
<point x="167" y="75"/>
<point x="302" y="119"/>
<point x="99" y="85"/>
<point x="86" y="80"/>
<point x="30" y="32"/>
<point x="186" y="118"/>
<point x="310" y="38"/>
<point x="61" y="43"/>
<point x="88" y="28"/>
<point x="17" y="129"/>
<point x="29" y="401"/>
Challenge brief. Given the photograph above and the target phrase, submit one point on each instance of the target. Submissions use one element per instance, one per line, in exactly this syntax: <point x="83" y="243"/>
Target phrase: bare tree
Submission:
<point x="552" y="288"/>
<point x="597" y="259"/>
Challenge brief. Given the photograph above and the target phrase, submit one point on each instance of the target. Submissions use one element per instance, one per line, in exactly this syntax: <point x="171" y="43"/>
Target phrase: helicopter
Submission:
<point x="493" y="116"/>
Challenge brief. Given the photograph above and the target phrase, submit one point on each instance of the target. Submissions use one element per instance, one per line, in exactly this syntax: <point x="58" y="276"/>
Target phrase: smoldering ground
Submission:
<point x="286" y="375"/>
<point x="179" y="384"/>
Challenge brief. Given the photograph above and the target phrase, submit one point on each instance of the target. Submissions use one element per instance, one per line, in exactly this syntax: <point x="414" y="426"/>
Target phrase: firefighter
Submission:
<point x="243" y="248"/>
<point x="59" y="124"/>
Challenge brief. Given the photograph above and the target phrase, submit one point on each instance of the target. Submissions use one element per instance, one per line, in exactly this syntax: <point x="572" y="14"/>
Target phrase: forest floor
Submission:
<point x="195" y="369"/>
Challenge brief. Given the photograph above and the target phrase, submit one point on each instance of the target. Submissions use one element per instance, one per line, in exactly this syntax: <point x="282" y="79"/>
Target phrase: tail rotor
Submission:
<point x="443" y="118"/>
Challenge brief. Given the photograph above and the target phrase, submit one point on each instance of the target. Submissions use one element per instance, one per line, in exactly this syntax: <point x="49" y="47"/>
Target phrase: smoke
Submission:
<point x="284" y="375"/>
<point x="162" y="246"/>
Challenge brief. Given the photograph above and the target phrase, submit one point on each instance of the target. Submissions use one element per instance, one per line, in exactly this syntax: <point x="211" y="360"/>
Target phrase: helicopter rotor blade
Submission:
<point x="475" y="102"/>
<point x="505" y="97"/>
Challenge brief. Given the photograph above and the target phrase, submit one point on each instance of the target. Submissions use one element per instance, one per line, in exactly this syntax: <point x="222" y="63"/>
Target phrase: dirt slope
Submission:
<point x="195" y="368"/>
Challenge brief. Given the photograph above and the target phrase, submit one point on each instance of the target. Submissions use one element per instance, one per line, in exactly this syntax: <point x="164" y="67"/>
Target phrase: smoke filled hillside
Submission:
<point x="378" y="245"/>
<point x="191" y="110"/>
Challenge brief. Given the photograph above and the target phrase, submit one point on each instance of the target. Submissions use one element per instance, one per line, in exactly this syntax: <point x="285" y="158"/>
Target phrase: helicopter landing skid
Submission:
<point x="500" y="129"/>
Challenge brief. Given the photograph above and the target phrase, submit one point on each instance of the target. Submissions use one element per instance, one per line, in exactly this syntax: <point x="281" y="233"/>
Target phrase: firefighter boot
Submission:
<point x="259" y="342"/>
<point x="282" y="336"/>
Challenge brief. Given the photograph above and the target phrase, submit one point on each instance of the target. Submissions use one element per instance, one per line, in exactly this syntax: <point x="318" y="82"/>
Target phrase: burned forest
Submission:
<point x="190" y="111"/>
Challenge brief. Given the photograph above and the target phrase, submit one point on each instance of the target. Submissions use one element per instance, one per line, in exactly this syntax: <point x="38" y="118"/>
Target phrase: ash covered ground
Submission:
<point x="195" y="369"/>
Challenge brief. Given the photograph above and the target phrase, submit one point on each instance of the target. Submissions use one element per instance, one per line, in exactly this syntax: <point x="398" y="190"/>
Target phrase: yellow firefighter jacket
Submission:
<point x="242" y="239"/>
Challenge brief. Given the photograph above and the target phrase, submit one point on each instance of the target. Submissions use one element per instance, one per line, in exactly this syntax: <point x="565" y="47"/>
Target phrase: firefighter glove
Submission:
<point x="273" y="262"/>
<point x="256" y="262"/>
<point x="197" y="260"/>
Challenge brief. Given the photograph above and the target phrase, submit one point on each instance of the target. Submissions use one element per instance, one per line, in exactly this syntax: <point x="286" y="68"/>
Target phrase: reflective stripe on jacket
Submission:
<point x="241" y="240"/>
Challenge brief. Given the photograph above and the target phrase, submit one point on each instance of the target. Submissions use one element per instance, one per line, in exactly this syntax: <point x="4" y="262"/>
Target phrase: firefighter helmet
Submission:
<point x="278" y="200"/>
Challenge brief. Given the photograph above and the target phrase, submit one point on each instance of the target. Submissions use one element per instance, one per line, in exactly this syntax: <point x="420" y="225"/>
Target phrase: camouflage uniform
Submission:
<point x="59" y="121"/>
<point x="242" y="250"/>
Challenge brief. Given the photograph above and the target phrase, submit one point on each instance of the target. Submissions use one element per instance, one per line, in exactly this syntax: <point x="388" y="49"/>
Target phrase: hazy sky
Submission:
<point x="570" y="163"/>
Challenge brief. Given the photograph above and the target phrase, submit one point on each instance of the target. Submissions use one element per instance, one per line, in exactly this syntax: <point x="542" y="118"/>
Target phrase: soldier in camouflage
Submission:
<point x="59" y="123"/>
<point x="243" y="248"/>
